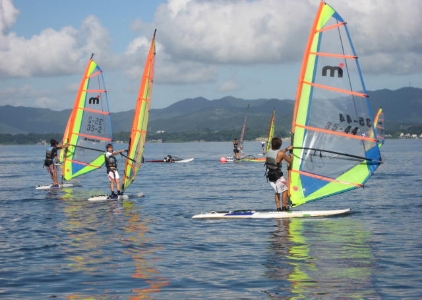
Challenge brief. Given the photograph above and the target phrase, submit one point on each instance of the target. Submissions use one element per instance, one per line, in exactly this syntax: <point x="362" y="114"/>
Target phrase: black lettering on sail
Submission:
<point x="332" y="71"/>
<point x="94" y="100"/>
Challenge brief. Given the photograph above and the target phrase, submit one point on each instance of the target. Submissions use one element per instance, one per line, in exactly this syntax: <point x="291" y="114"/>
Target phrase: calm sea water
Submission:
<point x="55" y="244"/>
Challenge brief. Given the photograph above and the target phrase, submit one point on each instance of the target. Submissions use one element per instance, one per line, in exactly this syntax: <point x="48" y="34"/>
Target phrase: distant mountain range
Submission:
<point x="402" y="106"/>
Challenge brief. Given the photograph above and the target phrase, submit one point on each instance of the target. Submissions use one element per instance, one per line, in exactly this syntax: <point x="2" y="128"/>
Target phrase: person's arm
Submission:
<point x="283" y="155"/>
<point x="117" y="152"/>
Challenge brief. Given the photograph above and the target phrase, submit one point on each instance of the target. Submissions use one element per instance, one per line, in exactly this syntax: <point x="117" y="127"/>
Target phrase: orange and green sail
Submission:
<point x="88" y="129"/>
<point x="140" y="120"/>
<point x="335" y="147"/>
<point x="270" y="132"/>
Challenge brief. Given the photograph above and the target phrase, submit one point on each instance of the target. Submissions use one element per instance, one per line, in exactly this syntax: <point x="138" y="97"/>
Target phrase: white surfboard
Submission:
<point x="101" y="198"/>
<point x="184" y="160"/>
<point x="50" y="186"/>
<point x="253" y="214"/>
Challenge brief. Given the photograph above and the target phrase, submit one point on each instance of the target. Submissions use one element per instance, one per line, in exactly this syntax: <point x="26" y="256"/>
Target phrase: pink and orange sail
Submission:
<point x="335" y="146"/>
<point x="138" y="132"/>
<point x="88" y="129"/>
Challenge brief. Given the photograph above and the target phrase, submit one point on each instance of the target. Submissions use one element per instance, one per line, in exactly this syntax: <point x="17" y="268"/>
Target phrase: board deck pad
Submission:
<point x="253" y="214"/>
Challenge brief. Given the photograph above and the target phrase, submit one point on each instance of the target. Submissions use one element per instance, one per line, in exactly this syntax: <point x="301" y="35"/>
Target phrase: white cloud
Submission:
<point x="8" y="15"/>
<point x="201" y="42"/>
<point x="228" y="86"/>
<point x="275" y="31"/>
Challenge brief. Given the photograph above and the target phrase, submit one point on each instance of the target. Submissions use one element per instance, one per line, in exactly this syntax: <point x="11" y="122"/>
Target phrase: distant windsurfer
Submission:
<point x="51" y="160"/>
<point x="263" y="146"/>
<point x="168" y="159"/>
<point x="274" y="158"/>
<point x="112" y="172"/>
<point x="236" y="149"/>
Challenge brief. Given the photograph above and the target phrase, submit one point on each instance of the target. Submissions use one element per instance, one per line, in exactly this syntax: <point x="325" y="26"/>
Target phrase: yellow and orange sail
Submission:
<point x="140" y="120"/>
<point x="88" y="129"/>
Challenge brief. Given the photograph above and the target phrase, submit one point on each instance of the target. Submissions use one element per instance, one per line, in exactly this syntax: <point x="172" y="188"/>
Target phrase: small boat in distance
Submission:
<point x="171" y="159"/>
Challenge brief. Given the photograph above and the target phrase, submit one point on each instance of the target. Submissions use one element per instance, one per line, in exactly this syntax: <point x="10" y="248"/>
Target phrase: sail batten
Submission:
<point x="334" y="143"/>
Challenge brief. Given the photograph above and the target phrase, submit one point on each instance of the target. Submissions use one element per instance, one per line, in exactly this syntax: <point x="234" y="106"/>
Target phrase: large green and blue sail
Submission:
<point x="334" y="141"/>
<point x="88" y="130"/>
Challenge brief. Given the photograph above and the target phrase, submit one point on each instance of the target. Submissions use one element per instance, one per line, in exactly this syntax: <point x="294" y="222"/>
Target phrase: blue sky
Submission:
<point x="249" y="49"/>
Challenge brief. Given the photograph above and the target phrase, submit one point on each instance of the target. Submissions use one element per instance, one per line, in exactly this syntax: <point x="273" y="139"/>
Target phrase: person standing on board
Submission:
<point x="51" y="160"/>
<point x="236" y="149"/>
<point x="263" y="146"/>
<point x="274" y="158"/>
<point x="112" y="172"/>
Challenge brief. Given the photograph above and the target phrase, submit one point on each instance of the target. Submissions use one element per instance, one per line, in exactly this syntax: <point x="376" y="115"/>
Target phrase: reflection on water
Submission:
<point x="321" y="258"/>
<point x="109" y="237"/>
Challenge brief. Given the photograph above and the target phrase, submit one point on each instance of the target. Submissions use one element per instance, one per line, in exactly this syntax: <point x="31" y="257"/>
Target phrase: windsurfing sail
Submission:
<point x="270" y="132"/>
<point x="242" y="134"/>
<point x="88" y="129"/>
<point x="379" y="126"/>
<point x="140" y="120"/>
<point x="334" y="141"/>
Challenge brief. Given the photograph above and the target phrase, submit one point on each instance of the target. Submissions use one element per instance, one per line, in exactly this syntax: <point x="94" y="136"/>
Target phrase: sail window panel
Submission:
<point x="96" y="127"/>
<point x="316" y="161"/>
<point x="339" y="113"/>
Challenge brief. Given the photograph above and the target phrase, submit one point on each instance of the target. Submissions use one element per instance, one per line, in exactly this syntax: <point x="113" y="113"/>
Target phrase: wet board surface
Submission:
<point x="253" y="214"/>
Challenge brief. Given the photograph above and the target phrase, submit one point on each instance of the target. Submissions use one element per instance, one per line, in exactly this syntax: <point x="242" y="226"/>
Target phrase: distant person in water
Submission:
<point x="112" y="172"/>
<point x="51" y="159"/>
<point x="236" y="149"/>
<point x="263" y="146"/>
<point x="273" y="161"/>
<point x="168" y="159"/>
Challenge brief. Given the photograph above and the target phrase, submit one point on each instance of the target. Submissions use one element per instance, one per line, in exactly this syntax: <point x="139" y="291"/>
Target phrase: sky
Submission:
<point x="250" y="49"/>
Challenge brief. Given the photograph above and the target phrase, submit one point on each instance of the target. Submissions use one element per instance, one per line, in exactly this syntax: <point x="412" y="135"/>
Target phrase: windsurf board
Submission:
<point x="253" y="214"/>
<point x="50" y="186"/>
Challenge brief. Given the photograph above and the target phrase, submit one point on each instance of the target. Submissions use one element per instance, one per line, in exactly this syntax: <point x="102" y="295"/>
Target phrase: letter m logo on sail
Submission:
<point x="94" y="100"/>
<point x="332" y="71"/>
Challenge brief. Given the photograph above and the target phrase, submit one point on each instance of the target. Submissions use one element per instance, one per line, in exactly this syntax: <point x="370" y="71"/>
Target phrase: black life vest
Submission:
<point x="111" y="163"/>
<point x="168" y="158"/>
<point x="50" y="154"/>
<point x="273" y="171"/>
